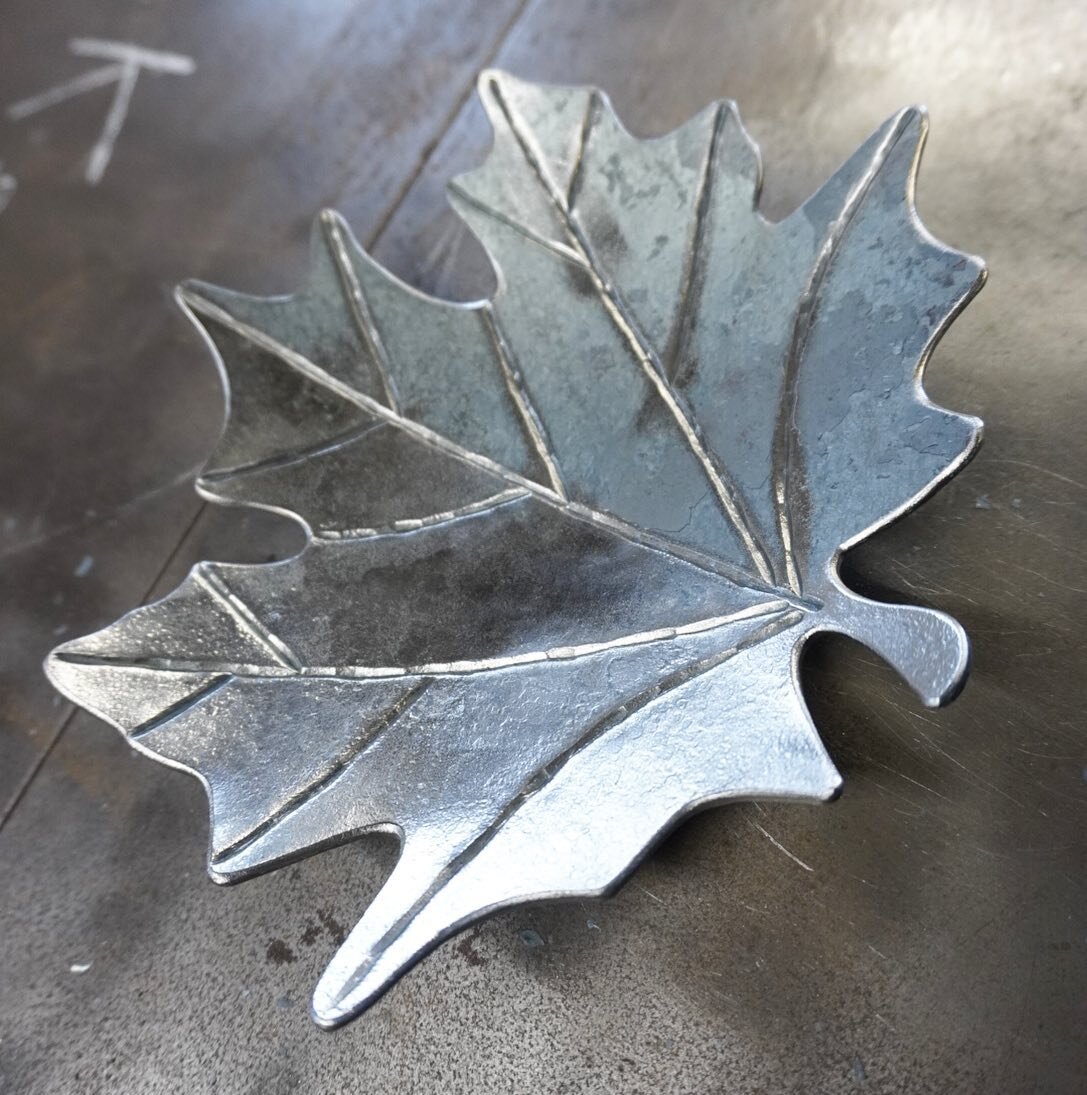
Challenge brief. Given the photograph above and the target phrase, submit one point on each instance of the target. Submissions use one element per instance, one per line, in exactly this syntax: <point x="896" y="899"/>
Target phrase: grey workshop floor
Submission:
<point x="926" y="933"/>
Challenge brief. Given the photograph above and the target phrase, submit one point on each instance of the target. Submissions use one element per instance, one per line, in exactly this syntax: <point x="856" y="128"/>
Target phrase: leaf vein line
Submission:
<point x="361" y="315"/>
<point x="247" y="620"/>
<point x="643" y="352"/>
<point x="175" y="710"/>
<point x="290" y="457"/>
<point x="552" y="246"/>
<point x="786" y="429"/>
<point x="518" y="393"/>
<point x="779" y="622"/>
<point x="592" y="115"/>
<point x="768" y="610"/>
<point x="369" y="735"/>
<point x="739" y="576"/>
<point x="547" y="774"/>
<point x="414" y="524"/>
<point x="691" y="285"/>
<point x="693" y="267"/>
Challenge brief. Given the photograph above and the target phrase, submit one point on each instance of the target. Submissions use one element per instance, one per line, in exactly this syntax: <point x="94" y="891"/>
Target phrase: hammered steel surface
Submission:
<point x="924" y="933"/>
<point x="565" y="546"/>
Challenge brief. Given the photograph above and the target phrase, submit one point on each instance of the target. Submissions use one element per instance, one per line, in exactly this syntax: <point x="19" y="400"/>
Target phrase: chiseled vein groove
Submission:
<point x="356" y="301"/>
<point x="785" y="434"/>
<point x="293" y="456"/>
<point x="643" y="352"/>
<point x="558" y="249"/>
<point x="516" y="386"/>
<point x="712" y="565"/>
<point x="307" y="368"/>
<point x="413" y="524"/>
<point x="592" y="113"/>
<point x="642" y="537"/>
<point x="694" y="274"/>
<point x="175" y="709"/>
<point x="694" y="267"/>
<point x="545" y="775"/>
<point x="437" y="669"/>
<point x="369" y="734"/>
<point x="247" y="620"/>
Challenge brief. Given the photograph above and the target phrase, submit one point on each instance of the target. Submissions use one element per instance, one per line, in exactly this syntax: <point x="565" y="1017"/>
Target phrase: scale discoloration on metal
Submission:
<point x="935" y="938"/>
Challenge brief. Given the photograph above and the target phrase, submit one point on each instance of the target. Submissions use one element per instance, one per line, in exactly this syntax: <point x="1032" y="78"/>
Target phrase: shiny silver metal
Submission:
<point x="564" y="546"/>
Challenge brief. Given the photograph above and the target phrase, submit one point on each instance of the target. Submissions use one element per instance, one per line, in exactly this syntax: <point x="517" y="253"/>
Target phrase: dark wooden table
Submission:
<point x="932" y="937"/>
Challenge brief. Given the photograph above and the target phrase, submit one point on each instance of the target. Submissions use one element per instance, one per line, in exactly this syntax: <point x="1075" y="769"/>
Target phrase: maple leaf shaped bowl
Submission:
<point x="564" y="546"/>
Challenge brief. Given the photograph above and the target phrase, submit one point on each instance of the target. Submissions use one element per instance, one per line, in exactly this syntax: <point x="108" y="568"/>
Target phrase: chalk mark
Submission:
<point x="126" y="63"/>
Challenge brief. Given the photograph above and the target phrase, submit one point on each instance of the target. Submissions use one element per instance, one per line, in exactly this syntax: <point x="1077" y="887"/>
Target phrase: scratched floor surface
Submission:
<point x="926" y="933"/>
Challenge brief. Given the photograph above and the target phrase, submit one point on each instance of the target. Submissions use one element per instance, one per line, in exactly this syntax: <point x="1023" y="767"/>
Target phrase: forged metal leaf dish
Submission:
<point x="564" y="546"/>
